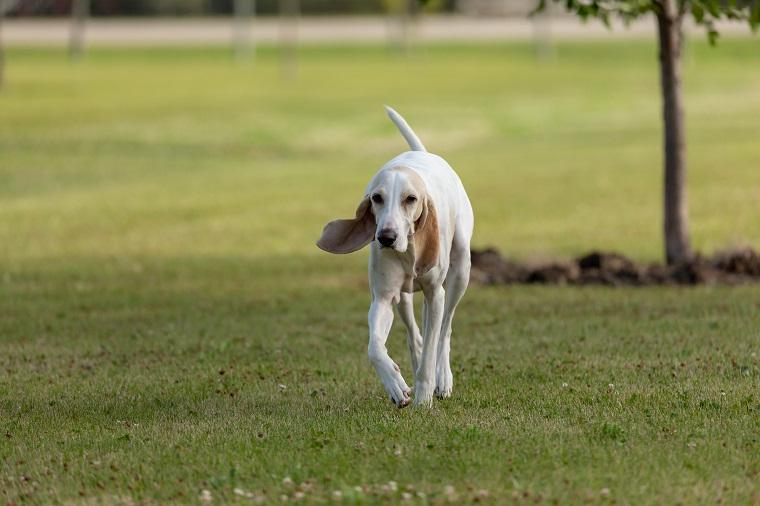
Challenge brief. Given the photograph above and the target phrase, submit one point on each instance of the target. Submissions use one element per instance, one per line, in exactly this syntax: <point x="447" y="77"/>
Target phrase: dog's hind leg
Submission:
<point x="424" y="379"/>
<point x="457" y="280"/>
<point x="405" y="309"/>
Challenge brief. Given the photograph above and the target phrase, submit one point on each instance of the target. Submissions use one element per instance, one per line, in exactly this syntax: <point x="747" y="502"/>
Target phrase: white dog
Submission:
<point x="417" y="216"/>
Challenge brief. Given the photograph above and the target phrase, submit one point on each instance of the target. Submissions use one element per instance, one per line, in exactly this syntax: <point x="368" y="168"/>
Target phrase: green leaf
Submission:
<point x="541" y="6"/>
<point x="712" y="35"/>
<point x="713" y="7"/>
<point x="754" y="16"/>
<point x="604" y="10"/>
<point x="698" y="12"/>
<point x="605" y="18"/>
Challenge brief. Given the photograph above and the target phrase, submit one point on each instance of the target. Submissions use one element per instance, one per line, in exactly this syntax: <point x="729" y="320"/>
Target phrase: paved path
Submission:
<point x="218" y="31"/>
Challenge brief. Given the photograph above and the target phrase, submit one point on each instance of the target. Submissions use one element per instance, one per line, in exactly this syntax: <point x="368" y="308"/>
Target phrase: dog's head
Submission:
<point x="396" y="208"/>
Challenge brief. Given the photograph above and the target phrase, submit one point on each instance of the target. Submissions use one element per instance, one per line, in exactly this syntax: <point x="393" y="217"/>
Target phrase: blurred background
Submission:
<point x="222" y="7"/>
<point x="150" y="130"/>
<point x="169" y="329"/>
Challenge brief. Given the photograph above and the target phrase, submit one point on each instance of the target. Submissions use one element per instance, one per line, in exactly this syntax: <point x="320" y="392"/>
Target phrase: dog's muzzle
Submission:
<point x="387" y="238"/>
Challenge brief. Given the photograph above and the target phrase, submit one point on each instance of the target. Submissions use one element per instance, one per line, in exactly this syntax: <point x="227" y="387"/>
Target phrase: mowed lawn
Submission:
<point x="167" y="326"/>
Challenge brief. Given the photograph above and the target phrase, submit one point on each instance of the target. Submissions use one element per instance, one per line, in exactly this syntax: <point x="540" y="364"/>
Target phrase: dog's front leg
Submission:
<point x="424" y="380"/>
<point x="380" y="321"/>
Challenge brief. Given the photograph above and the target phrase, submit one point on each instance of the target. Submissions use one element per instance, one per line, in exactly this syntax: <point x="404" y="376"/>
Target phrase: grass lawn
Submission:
<point x="167" y="325"/>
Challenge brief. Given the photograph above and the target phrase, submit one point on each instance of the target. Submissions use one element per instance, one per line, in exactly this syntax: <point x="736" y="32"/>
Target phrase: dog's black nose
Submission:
<point x="386" y="238"/>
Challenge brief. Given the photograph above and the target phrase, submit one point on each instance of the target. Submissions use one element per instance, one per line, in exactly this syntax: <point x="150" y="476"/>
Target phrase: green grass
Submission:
<point x="167" y="325"/>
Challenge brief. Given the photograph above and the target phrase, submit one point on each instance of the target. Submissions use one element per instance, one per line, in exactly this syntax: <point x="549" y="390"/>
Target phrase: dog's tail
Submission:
<point x="415" y="144"/>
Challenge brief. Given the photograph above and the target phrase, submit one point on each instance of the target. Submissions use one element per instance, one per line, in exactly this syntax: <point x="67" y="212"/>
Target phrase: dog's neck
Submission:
<point x="407" y="260"/>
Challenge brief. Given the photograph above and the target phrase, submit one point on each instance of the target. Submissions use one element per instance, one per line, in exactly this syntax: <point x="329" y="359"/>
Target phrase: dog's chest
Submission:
<point x="411" y="284"/>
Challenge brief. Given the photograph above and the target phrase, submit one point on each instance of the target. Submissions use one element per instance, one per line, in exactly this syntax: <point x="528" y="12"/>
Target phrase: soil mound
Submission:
<point x="613" y="269"/>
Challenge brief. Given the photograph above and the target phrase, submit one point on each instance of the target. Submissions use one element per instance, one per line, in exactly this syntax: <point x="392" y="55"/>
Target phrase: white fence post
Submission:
<point x="244" y="11"/>
<point x="80" y="11"/>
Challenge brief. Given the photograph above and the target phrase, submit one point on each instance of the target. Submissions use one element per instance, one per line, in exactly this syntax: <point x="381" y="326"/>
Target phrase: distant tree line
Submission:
<point x="207" y="7"/>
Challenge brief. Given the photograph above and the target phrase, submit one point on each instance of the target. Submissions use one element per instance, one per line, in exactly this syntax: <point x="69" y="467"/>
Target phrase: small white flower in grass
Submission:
<point x="298" y="496"/>
<point x="206" y="497"/>
<point x="337" y="494"/>
<point x="282" y="387"/>
<point x="358" y="489"/>
<point x="565" y="385"/>
<point x="605" y="492"/>
<point x="393" y="485"/>
<point x="406" y="496"/>
<point x="691" y="444"/>
<point x="287" y="481"/>
<point x="723" y="393"/>
<point x="397" y="451"/>
<point x="611" y="386"/>
<point x="243" y="493"/>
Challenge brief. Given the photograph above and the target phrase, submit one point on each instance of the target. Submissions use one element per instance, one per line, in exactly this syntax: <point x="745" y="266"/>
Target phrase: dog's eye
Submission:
<point x="377" y="198"/>
<point x="411" y="199"/>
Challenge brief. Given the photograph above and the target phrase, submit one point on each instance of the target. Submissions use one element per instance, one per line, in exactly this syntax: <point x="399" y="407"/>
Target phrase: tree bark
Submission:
<point x="676" y="222"/>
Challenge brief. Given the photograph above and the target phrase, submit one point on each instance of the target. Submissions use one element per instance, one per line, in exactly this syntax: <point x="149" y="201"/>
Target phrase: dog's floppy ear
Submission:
<point x="426" y="239"/>
<point x="347" y="236"/>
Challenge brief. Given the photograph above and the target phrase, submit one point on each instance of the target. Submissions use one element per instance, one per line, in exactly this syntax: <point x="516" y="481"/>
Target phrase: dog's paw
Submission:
<point x="400" y="395"/>
<point x="398" y="391"/>
<point x="423" y="394"/>
<point x="444" y="382"/>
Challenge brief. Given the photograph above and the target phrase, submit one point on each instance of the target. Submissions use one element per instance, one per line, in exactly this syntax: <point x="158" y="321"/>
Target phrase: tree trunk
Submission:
<point x="676" y="223"/>
<point x="80" y="10"/>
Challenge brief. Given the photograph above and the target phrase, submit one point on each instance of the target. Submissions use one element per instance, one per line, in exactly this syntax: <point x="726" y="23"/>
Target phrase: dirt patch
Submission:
<point x="729" y="267"/>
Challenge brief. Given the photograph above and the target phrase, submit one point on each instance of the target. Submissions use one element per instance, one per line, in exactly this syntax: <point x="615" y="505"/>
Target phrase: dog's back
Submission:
<point x="441" y="180"/>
